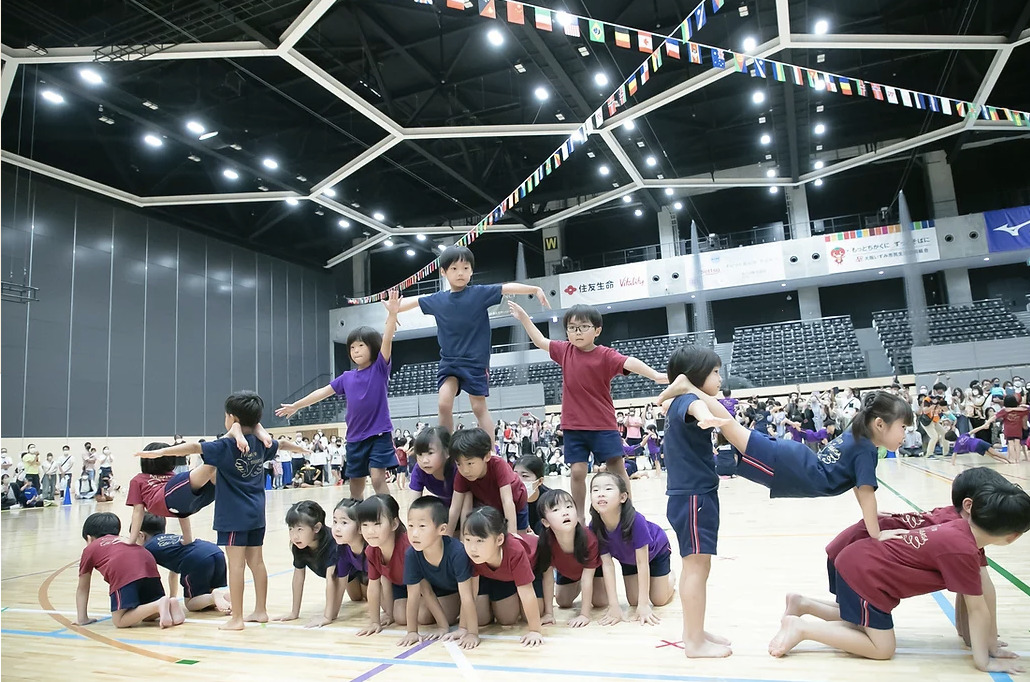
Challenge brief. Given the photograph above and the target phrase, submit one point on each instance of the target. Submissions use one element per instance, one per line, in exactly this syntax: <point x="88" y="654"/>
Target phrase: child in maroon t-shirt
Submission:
<point x="1013" y="418"/>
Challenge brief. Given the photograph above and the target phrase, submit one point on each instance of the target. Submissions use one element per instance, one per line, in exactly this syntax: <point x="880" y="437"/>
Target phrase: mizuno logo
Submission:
<point x="1012" y="229"/>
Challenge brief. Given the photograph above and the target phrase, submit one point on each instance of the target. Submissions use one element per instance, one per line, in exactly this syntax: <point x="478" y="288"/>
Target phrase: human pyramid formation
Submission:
<point x="469" y="554"/>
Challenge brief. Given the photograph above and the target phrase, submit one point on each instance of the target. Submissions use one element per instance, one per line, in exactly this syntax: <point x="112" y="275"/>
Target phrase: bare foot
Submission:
<point x="176" y="612"/>
<point x="232" y="624"/>
<point x="222" y="602"/>
<point x="787" y="638"/>
<point x="706" y="649"/>
<point x="793" y="607"/>
<point x="257" y="617"/>
<point x="164" y="612"/>
<point x="716" y="639"/>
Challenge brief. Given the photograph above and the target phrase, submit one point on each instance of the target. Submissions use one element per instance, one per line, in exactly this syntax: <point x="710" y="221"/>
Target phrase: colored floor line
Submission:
<point x="26" y="575"/>
<point x="949" y="611"/>
<point x="385" y="666"/>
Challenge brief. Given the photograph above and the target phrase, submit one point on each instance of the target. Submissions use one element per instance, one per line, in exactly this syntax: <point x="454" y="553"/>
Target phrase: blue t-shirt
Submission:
<point x="455" y="566"/>
<point x="688" y="452"/>
<point x="463" y="323"/>
<point x="240" y="487"/>
<point x="170" y="553"/>
<point x="844" y="463"/>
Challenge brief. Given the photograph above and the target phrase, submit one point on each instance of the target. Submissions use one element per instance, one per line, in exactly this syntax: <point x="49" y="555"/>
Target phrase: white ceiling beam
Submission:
<point x="357" y="163"/>
<point x="71" y="55"/>
<point x="783" y="22"/>
<point x="622" y="157"/>
<point x="355" y="250"/>
<point x="1023" y="38"/>
<point x="10" y="70"/>
<point x="226" y="198"/>
<point x="517" y="130"/>
<point x="356" y="216"/>
<point x="1001" y="58"/>
<point x="585" y="206"/>
<point x="458" y="230"/>
<point x="875" y="41"/>
<point x="1006" y="126"/>
<point x="303" y="23"/>
<point x="722" y="183"/>
<point x="70" y="178"/>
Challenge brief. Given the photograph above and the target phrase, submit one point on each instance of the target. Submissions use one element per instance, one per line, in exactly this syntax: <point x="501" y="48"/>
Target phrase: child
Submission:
<point x="653" y="445"/>
<point x="873" y="577"/>
<point x="530" y="469"/>
<point x="489" y="479"/>
<point x="313" y="547"/>
<point x="967" y="442"/>
<point x="463" y="330"/>
<point x="30" y="496"/>
<point x="436" y="569"/>
<point x="640" y="546"/>
<point x="239" y="499"/>
<point x="789" y="469"/>
<point x="387" y="540"/>
<point x="158" y="491"/>
<point x="693" y="490"/>
<point x="199" y="566"/>
<point x="435" y="471"/>
<point x="130" y="572"/>
<point x="402" y="465"/>
<point x="588" y="415"/>
<point x="572" y="550"/>
<point x="503" y="563"/>
<point x="351" y="565"/>
<point x="1013" y="418"/>
<point x="369" y="445"/>
<point x="821" y="437"/>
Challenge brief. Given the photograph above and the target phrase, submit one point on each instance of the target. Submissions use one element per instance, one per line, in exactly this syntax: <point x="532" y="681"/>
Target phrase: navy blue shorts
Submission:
<point x="695" y="518"/>
<point x="399" y="591"/>
<point x="205" y="577"/>
<point x="498" y="590"/>
<point x="180" y="498"/>
<point x="522" y="518"/>
<point x="831" y="576"/>
<point x="242" y="538"/>
<point x="137" y="593"/>
<point x="603" y="444"/>
<point x="758" y="463"/>
<point x="441" y="591"/>
<point x="475" y="382"/>
<point x="560" y="579"/>
<point x="376" y="452"/>
<point x="659" y="566"/>
<point x="854" y="609"/>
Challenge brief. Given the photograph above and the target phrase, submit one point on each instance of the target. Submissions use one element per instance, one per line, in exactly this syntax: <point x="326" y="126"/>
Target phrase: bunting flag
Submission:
<point x="945" y="106"/>
<point x="685" y="29"/>
<point x="718" y="60"/>
<point x="612" y="106"/>
<point x="758" y="68"/>
<point x="644" y="41"/>
<point x="516" y="14"/>
<point x="596" y="31"/>
<point x="621" y="38"/>
<point x="877" y="92"/>
<point x="572" y="27"/>
<point x="830" y="81"/>
<point x="717" y="5"/>
<point x="543" y="19"/>
<point x="487" y="9"/>
<point x="892" y="95"/>
<point x="795" y="71"/>
<point x="672" y="48"/>
<point x="656" y="59"/>
<point x="861" y="88"/>
<point x="739" y="63"/>
<point x="456" y="4"/>
<point x="644" y="75"/>
<point x="845" y="87"/>
<point x="934" y="106"/>
<point x="905" y="98"/>
<point x="695" y="55"/>
<point x="632" y="85"/>
<point x="778" y="72"/>
<point x="699" y="16"/>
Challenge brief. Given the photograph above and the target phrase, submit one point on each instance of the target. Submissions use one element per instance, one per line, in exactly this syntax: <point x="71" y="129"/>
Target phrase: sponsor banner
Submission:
<point x="1008" y="229"/>
<point x="605" y="285"/>
<point x="879" y="247"/>
<point x="744" y="265"/>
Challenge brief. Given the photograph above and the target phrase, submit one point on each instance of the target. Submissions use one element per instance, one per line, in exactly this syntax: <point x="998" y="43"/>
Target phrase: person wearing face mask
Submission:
<point x="530" y="469"/>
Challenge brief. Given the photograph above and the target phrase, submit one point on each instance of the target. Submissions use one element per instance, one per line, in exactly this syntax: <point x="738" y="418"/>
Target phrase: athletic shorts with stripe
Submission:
<point x="695" y="518"/>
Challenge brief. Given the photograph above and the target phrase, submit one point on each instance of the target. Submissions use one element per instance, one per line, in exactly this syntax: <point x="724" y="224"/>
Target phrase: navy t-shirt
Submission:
<point x="240" y="490"/>
<point x="318" y="558"/>
<point x="170" y="553"/>
<point x="463" y="323"/>
<point x="689" y="458"/>
<point x="455" y="566"/>
<point x="844" y="463"/>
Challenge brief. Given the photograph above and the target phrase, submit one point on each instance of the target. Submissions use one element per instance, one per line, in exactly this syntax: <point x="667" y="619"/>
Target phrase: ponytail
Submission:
<point x="879" y="405"/>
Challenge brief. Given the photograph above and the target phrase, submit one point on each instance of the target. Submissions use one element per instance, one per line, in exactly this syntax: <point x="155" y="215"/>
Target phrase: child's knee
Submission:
<point x="564" y="601"/>
<point x="507" y="618"/>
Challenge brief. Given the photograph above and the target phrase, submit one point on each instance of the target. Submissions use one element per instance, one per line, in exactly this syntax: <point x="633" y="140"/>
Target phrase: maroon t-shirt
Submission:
<point x="149" y="490"/>
<point x="567" y="564"/>
<point x="517" y="556"/>
<point x="922" y="561"/>
<point x="392" y="569"/>
<point x="119" y="562"/>
<point x="586" y="385"/>
<point x="1012" y="420"/>
<point x="904" y="521"/>
<point x="487" y="490"/>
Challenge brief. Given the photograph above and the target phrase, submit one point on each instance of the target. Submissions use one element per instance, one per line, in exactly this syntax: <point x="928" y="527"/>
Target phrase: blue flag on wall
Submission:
<point x="1008" y="229"/>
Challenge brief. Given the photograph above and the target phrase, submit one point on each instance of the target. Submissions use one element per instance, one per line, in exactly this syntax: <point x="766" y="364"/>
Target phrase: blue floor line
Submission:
<point x="949" y="611"/>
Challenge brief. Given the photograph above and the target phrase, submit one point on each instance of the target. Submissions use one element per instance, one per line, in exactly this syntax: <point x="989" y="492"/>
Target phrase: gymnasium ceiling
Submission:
<point x="407" y="110"/>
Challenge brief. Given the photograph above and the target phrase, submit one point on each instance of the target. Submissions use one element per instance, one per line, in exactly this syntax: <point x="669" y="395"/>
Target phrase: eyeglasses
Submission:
<point x="580" y="329"/>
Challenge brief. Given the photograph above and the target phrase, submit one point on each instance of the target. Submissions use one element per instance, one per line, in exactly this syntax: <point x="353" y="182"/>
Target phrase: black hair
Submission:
<point x="246" y="406"/>
<point x="532" y="464"/>
<point x="454" y="254"/>
<point x="424" y="440"/>
<point x="378" y="507"/>
<point x="1010" y="401"/>
<point x="158" y="466"/>
<point x="306" y="513"/>
<point x="1002" y="509"/>
<point x="153" y="524"/>
<point x="580" y="549"/>
<point x="350" y="506"/>
<point x="940" y="387"/>
<point x="626" y="517"/>
<point x="99" y="524"/>
<point x="880" y="405"/>
<point x="694" y="362"/>
<point x="368" y="336"/>
<point x="587" y="313"/>
<point x="470" y="443"/>
<point x="726" y="393"/>
<point x="970" y="481"/>
<point x="485" y="522"/>
<point x="438" y="511"/>
<point x="951" y="436"/>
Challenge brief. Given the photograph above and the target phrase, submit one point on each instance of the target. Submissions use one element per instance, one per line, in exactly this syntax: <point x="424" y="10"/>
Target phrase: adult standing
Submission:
<point x="105" y="463"/>
<point x="30" y="462"/>
<point x="65" y="468"/>
<point x="89" y="467"/>
<point x="933" y="408"/>
<point x="634" y="428"/>
<point x="6" y="463"/>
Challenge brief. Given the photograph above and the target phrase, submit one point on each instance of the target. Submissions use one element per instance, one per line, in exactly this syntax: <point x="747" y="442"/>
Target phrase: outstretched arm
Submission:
<point x="393" y="307"/>
<point x="516" y="288"/>
<point x="535" y="335"/>
<point x="319" y="394"/>
<point x="638" y="367"/>
<point x="290" y="446"/>
<point x="179" y="450"/>
<point x="405" y="305"/>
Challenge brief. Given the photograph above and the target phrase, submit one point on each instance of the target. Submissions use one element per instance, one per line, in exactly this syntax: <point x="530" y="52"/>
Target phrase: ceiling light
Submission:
<point x="560" y="116"/>
<point x="651" y="161"/>
<point x="150" y="105"/>
<point x="344" y="224"/>
<point x="819" y="129"/>
<point x="668" y="191"/>
<point x="378" y="216"/>
<point x="302" y="178"/>
<point x="742" y="11"/>
<point x="410" y="252"/>
<point x="678" y="205"/>
<point x="638" y="213"/>
<point x="771" y="173"/>
<point x="758" y="97"/>
<point x="270" y="164"/>
<point x="91" y="76"/>
<point x="107" y="119"/>
<point x="195" y="127"/>
<point x="604" y="170"/>
<point x="329" y="192"/>
<point x="774" y="189"/>
<point x="495" y="37"/>
<point x="820" y="58"/>
<point x="52" y="97"/>
<point x="818" y="147"/>
<point x="768" y="157"/>
<point x="765" y="138"/>
<point x="194" y="158"/>
<point x="750" y="44"/>
<point x="590" y="155"/>
<point x="583" y="51"/>
<point x="231" y="174"/>
<point x="627" y="198"/>
<point x="291" y="201"/>
<point x="519" y="67"/>
<point x="388" y="242"/>
<point x="601" y="78"/>
<point x="818" y="182"/>
<point x="629" y="125"/>
<point x="208" y="135"/>
<point x="41" y="51"/>
<point x="235" y="146"/>
<point x="541" y="93"/>
<point x="819" y="108"/>
<point x="987" y="257"/>
<point x="822" y="26"/>
<point x="820" y="84"/>
<point x="640" y="143"/>
<point x="818" y="164"/>
<point x="421" y="237"/>
<point x="262" y="188"/>
<point x="442" y="247"/>
<point x="153" y="140"/>
<point x="880" y="272"/>
<point x="319" y="211"/>
<point x="783" y="284"/>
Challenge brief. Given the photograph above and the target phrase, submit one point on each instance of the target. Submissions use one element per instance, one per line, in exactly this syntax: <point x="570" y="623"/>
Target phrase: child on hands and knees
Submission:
<point x="387" y="540"/>
<point x="873" y="577"/>
<point x="351" y="564"/>
<point x="463" y="330"/>
<point x="438" y="575"/>
<point x="484" y="478"/>
<point x="131" y="573"/>
<point x="588" y="414"/>
<point x="789" y="469"/>
<point x="370" y="448"/>
<point x="434" y="471"/>
<point x="313" y="547"/>
<point x="198" y="566"/>
<point x="161" y="492"/>
<point x="640" y="546"/>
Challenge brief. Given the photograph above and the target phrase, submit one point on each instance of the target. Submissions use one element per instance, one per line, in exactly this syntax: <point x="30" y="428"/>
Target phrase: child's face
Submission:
<point x="432" y="460"/>
<point x="605" y="494"/>
<point x="422" y="530"/>
<point x="563" y="516"/>
<point x="472" y="468"/>
<point x="49" y="457"/>
<point x="378" y="532"/>
<point x="483" y="550"/>
<point x="890" y="436"/>
<point x="458" y="274"/>
<point x="712" y="383"/>
<point x="360" y="354"/>
<point x="345" y="529"/>
<point x="303" y="535"/>
<point x="582" y="333"/>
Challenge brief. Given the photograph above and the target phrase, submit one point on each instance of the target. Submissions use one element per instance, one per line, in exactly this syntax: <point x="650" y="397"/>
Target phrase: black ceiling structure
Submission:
<point x="391" y="118"/>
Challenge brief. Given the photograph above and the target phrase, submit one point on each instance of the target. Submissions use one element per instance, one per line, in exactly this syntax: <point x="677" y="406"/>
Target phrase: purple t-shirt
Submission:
<point x="644" y="533"/>
<point x="967" y="443"/>
<point x="444" y="489"/>
<point x="368" y="413"/>
<point x="347" y="562"/>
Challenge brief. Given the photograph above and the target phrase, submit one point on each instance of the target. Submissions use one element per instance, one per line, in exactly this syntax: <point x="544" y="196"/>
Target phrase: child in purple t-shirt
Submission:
<point x="967" y="442"/>
<point x="435" y="471"/>
<point x="369" y="443"/>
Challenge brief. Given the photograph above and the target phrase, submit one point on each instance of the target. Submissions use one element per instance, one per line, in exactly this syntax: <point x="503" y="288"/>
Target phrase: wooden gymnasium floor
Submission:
<point x="767" y="548"/>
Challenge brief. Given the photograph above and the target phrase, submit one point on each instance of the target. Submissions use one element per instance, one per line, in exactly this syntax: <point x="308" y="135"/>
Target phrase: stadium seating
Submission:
<point x="981" y="320"/>
<point x="792" y="352"/>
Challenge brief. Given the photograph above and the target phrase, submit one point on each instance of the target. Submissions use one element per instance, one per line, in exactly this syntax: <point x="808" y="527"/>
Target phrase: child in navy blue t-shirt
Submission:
<point x="199" y="566"/>
<point x="463" y="330"/>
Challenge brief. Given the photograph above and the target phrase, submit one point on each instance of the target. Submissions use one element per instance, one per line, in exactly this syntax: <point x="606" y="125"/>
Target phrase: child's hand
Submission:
<point x="371" y="629"/>
<point x="1001" y="652"/>
<point x="646" y="616"/>
<point x="712" y="423"/>
<point x="469" y="641"/>
<point x="435" y="634"/>
<point x="579" y="621"/>
<point x="409" y="638"/>
<point x="532" y="639"/>
<point x="241" y="443"/>
<point x="285" y="410"/>
<point x="614" y="615"/>
<point x="547" y="619"/>
<point x="386" y="619"/>
<point x="891" y="534"/>
<point x="542" y="297"/>
<point x="454" y="635"/>
<point x="287" y="617"/>
<point x="997" y="665"/>
<point x="680" y="386"/>
<point x="517" y="311"/>
<point x="320" y="621"/>
<point x="86" y="621"/>
<point x="393" y="302"/>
